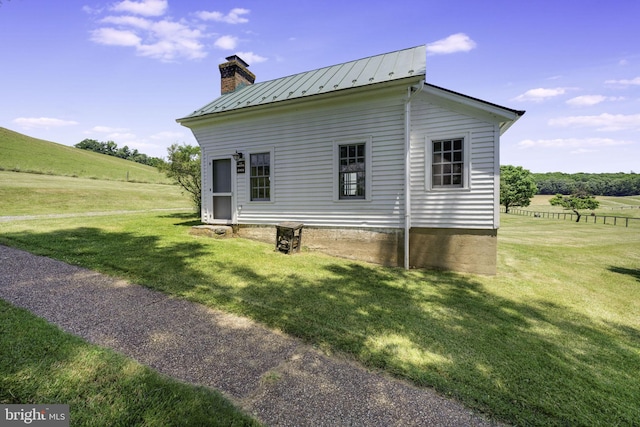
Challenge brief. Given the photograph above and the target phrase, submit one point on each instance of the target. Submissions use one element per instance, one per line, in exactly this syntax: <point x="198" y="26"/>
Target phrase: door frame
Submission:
<point x="208" y="188"/>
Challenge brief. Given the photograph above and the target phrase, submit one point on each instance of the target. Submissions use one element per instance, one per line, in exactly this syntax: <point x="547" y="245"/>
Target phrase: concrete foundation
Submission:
<point x="467" y="250"/>
<point x="380" y="246"/>
<point x="463" y="250"/>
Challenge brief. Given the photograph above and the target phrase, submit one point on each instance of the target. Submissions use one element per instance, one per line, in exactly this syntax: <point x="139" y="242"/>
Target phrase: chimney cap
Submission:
<point x="237" y="59"/>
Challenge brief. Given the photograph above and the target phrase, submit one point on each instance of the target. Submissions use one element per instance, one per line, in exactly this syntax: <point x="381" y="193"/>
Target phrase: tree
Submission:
<point x="89" y="144"/>
<point x="517" y="186"/>
<point x="183" y="166"/>
<point x="580" y="200"/>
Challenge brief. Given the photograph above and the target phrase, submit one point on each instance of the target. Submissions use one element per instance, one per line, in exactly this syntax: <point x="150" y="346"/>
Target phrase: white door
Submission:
<point x="221" y="192"/>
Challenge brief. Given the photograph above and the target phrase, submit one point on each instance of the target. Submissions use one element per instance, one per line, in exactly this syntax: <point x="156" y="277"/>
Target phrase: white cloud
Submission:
<point x="585" y="144"/>
<point x="586" y="100"/>
<point x="589" y="100"/>
<point x="251" y="58"/>
<point x="42" y="122"/>
<point x="172" y="40"/>
<point x="624" y="82"/>
<point x="118" y="136"/>
<point x="165" y="40"/>
<point x="132" y="21"/>
<point x="226" y="42"/>
<point x="233" y="17"/>
<point x="541" y="94"/>
<point x="114" y="37"/>
<point x="144" y="7"/>
<point x="459" y="42"/>
<point x="583" y="151"/>
<point x="136" y="24"/>
<point x="107" y="129"/>
<point x="603" y="122"/>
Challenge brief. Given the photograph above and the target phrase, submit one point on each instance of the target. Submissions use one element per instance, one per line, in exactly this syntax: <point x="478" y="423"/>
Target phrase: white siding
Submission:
<point x="302" y="140"/>
<point x="456" y="208"/>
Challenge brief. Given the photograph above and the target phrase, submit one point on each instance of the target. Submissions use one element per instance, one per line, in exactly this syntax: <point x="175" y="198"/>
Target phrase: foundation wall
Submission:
<point x="379" y="246"/>
<point x="471" y="251"/>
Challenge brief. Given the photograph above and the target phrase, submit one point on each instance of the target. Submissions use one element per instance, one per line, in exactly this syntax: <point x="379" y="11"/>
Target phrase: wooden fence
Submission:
<point x="587" y="218"/>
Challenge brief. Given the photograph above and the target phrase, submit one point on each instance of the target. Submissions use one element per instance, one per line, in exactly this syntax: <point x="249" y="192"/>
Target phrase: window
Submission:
<point x="449" y="163"/>
<point x="260" y="176"/>
<point x="352" y="171"/>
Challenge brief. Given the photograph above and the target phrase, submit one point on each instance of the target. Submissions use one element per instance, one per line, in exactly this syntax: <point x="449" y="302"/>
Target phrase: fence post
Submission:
<point x="627" y="222"/>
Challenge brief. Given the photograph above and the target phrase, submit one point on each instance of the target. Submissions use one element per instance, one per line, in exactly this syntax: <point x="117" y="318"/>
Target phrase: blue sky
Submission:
<point x="125" y="70"/>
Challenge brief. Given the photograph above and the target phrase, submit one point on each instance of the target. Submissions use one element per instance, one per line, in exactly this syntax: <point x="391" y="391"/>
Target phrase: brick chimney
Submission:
<point x="234" y="74"/>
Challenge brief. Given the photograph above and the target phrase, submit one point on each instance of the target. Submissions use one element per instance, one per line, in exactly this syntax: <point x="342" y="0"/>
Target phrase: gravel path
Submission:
<point x="277" y="378"/>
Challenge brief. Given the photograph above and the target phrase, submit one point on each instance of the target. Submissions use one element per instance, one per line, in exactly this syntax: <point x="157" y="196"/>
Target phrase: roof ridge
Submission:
<point x="342" y="63"/>
<point x="385" y="67"/>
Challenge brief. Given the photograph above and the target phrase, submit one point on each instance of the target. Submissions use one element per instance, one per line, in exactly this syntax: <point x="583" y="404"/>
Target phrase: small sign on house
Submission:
<point x="240" y="166"/>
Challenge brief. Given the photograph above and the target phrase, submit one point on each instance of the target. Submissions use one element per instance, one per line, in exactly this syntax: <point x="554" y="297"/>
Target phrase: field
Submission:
<point x="36" y="194"/>
<point x="552" y="339"/>
<point x="21" y="153"/>
<point x="613" y="206"/>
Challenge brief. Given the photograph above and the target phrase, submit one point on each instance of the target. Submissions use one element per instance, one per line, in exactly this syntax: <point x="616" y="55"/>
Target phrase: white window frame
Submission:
<point x="260" y="150"/>
<point x="466" y="159"/>
<point x="367" y="141"/>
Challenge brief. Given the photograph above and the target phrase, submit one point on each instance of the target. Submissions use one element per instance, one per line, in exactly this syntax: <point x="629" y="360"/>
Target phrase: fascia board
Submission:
<point x="499" y="114"/>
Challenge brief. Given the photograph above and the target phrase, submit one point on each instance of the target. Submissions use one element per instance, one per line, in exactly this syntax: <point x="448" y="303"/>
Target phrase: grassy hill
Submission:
<point x="22" y="153"/>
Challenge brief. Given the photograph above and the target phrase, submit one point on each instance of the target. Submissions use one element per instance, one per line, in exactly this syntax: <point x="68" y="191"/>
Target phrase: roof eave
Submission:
<point x="507" y="116"/>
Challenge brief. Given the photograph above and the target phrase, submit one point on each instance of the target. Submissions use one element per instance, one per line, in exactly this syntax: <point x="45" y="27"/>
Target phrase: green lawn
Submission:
<point x="34" y="194"/>
<point x="553" y="339"/>
<point x="40" y="364"/>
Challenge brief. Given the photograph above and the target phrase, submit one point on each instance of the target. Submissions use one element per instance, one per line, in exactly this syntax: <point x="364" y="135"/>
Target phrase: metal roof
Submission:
<point x="387" y="67"/>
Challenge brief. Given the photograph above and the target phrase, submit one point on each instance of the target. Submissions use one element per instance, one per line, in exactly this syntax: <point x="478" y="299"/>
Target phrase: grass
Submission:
<point x="40" y="364"/>
<point x="21" y="153"/>
<point x="33" y="194"/>
<point x="553" y="339"/>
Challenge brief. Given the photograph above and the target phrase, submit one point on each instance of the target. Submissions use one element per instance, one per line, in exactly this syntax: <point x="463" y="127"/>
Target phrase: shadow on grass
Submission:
<point x="633" y="272"/>
<point x="190" y="218"/>
<point x="535" y="363"/>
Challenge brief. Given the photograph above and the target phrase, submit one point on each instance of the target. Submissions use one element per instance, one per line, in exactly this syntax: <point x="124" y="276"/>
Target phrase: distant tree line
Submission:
<point x="110" y="148"/>
<point x="597" y="184"/>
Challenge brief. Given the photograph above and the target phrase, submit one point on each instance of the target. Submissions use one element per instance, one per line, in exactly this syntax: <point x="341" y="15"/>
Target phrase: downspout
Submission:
<point x="411" y="91"/>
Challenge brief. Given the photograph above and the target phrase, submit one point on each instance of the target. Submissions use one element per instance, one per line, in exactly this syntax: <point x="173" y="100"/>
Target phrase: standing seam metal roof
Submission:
<point x="362" y="72"/>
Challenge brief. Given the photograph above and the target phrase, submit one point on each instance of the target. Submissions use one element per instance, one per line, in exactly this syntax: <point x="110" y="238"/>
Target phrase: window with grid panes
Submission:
<point x="352" y="171"/>
<point x="447" y="167"/>
<point x="260" y="176"/>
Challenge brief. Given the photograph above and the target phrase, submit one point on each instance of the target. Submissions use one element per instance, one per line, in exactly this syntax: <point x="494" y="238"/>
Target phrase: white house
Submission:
<point x="378" y="164"/>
